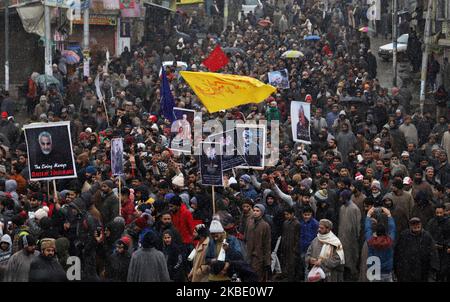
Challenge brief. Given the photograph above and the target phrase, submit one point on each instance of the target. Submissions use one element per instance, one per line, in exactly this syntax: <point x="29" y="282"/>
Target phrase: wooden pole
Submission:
<point x="214" y="200"/>
<point x="55" y="193"/>
<point x="120" y="196"/>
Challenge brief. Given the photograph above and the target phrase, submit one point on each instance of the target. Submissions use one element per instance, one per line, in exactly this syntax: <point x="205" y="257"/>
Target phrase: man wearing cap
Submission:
<point x="339" y="122"/>
<point x="46" y="267"/>
<point x="415" y="256"/>
<point x="247" y="189"/>
<point x="18" y="267"/>
<point x="258" y="243"/>
<point x="326" y="252"/>
<point x="109" y="206"/>
<point x="116" y="269"/>
<point x="183" y="221"/>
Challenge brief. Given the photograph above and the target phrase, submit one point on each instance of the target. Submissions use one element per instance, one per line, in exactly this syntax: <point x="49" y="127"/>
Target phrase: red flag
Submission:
<point x="216" y="60"/>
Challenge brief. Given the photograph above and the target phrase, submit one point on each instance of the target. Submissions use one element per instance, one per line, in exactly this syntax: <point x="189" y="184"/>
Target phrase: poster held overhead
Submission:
<point x="252" y="144"/>
<point x="301" y="125"/>
<point x="230" y="156"/>
<point x="49" y="150"/>
<point x="117" y="156"/>
<point x="211" y="164"/>
<point x="279" y="78"/>
<point x="182" y="130"/>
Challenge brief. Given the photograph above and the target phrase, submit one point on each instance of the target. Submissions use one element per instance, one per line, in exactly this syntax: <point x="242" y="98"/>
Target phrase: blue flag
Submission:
<point x="167" y="102"/>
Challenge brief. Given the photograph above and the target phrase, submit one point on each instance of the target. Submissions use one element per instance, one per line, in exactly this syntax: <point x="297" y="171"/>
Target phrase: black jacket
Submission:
<point x="45" y="269"/>
<point x="116" y="269"/>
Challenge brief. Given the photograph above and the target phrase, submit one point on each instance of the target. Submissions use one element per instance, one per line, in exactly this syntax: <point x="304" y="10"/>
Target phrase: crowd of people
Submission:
<point x="374" y="182"/>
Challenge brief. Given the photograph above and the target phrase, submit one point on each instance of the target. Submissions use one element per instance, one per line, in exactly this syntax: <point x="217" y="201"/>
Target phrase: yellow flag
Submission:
<point x="219" y="91"/>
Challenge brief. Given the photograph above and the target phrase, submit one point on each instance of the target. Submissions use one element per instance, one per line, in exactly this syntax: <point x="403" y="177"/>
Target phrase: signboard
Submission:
<point x="181" y="2"/>
<point x="99" y="20"/>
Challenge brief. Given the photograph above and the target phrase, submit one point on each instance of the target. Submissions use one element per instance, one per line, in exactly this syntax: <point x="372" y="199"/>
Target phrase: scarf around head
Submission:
<point x="330" y="240"/>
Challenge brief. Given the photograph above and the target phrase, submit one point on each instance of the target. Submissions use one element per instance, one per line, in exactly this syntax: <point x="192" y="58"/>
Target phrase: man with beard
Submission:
<point x="326" y="252"/>
<point x="199" y="271"/>
<point x="119" y="261"/>
<point x="163" y="224"/>
<point x="415" y="256"/>
<point x="346" y="141"/>
<point x="439" y="228"/>
<point x="349" y="231"/>
<point x="109" y="207"/>
<point x="46" y="267"/>
<point x="18" y="267"/>
<point x="401" y="198"/>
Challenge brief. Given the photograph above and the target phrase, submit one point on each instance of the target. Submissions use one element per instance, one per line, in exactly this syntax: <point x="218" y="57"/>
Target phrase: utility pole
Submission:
<point x="225" y="14"/>
<point x="6" y="45"/>
<point x="423" y="74"/>
<point x="86" y="60"/>
<point x="394" y="41"/>
<point x="48" y="41"/>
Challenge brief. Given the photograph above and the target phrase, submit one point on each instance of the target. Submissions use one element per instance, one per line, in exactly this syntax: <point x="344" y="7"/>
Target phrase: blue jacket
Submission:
<point x="308" y="231"/>
<point x="249" y="193"/>
<point x="381" y="247"/>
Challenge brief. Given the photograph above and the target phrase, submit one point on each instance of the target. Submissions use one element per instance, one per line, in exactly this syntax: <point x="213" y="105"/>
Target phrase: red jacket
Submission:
<point x="184" y="223"/>
<point x="127" y="211"/>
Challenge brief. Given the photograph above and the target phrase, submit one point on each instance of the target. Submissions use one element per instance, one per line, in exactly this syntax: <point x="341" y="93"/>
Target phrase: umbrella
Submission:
<point x="45" y="80"/>
<point x="292" y="54"/>
<point x="233" y="50"/>
<point x="71" y="56"/>
<point x="264" y="22"/>
<point x="365" y="29"/>
<point x="312" y="38"/>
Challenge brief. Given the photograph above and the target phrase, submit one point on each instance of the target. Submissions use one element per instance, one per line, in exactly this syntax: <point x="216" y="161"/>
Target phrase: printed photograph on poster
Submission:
<point x="230" y="155"/>
<point x="182" y="130"/>
<point x="117" y="156"/>
<point x="251" y="144"/>
<point x="301" y="117"/>
<point x="279" y="79"/>
<point x="49" y="147"/>
<point x="211" y="164"/>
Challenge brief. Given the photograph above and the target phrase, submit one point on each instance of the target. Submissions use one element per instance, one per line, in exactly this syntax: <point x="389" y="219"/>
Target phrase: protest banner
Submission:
<point x="49" y="149"/>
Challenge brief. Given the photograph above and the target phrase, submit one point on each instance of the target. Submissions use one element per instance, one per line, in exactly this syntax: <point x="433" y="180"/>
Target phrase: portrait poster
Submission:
<point x="182" y="130"/>
<point x="252" y="144"/>
<point x="211" y="164"/>
<point x="117" y="156"/>
<point x="49" y="150"/>
<point x="279" y="79"/>
<point x="301" y="122"/>
<point x="230" y="155"/>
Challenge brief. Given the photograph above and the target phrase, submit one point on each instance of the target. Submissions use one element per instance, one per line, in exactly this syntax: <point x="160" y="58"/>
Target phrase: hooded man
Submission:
<point x="148" y="264"/>
<point x="258" y="243"/>
<point x="327" y="253"/>
<point x="119" y="261"/>
<point x="45" y="267"/>
<point x="5" y="253"/>
<point x="18" y="267"/>
<point x="349" y="232"/>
